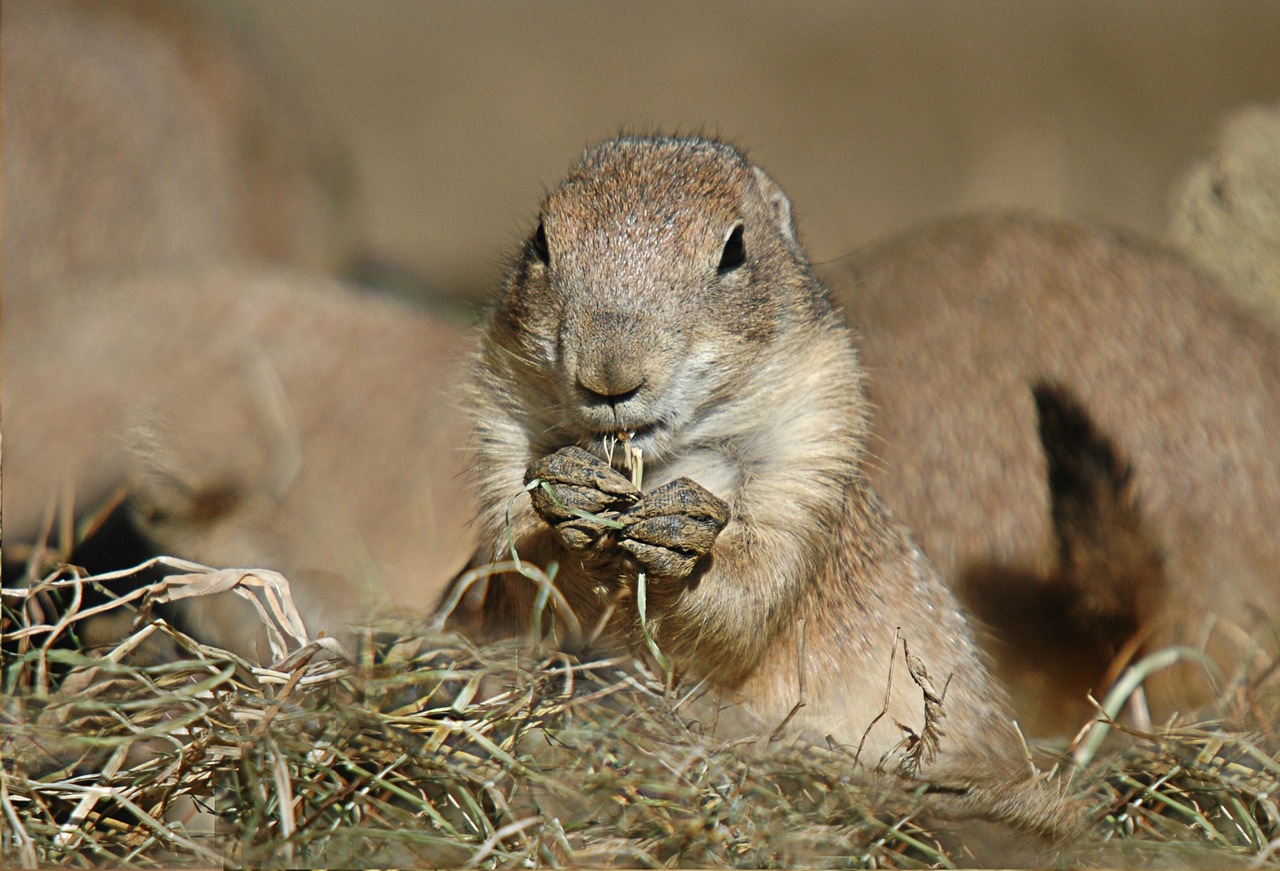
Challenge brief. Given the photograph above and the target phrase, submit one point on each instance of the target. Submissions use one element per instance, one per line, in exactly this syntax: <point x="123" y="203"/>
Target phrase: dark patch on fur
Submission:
<point x="1058" y="634"/>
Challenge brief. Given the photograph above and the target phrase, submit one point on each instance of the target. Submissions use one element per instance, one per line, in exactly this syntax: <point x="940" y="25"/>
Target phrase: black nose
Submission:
<point x="609" y="377"/>
<point x="599" y="392"/>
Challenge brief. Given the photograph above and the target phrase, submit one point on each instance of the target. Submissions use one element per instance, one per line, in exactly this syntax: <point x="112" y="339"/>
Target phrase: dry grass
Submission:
<point x="419" y="749"/>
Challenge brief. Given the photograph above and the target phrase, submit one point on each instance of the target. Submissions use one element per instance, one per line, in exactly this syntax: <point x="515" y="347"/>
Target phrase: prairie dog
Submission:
<point x="127" y="131"/>
<point x="663" y="295"/>
<point x="268" y="412"/>
<point x="961" y="318"/>
<point x="162" y="205"/>
<point x="140" y="136"/>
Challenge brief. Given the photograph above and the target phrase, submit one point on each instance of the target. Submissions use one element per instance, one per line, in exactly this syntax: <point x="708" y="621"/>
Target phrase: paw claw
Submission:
<point x="673" y="527"/>
<point x="574" y="481"/>
<point x="582" y="469"/>
<point x="658" y="561"/>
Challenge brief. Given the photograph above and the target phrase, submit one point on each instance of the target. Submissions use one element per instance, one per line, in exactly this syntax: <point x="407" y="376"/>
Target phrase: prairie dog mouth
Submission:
<point x="623" y="449"/>
<point x="616" y="439"/>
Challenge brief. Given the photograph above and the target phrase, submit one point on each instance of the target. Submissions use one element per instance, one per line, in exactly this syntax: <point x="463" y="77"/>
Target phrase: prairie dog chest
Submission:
<point x="711" y="468"/>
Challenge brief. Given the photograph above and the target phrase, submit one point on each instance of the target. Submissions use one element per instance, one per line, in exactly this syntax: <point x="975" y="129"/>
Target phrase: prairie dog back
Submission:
<point x="961" y="319"/>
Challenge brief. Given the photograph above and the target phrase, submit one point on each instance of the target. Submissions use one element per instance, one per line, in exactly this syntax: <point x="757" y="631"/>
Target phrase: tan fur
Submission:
<point x="749" y="383"/>
<point x="139" y="135"/>
<point x="111" y="160"/>
<point x="1226" y="210"/>
<point x="270" y="416"/>
<point x="1060" y="636"/>
<point x="122" y="158"/>
<point x="270" y="426"/>
<point x="959" y="320"/>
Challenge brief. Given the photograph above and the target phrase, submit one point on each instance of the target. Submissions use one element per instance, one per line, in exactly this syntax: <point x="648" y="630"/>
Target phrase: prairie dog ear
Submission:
<point x="778" y="201"/>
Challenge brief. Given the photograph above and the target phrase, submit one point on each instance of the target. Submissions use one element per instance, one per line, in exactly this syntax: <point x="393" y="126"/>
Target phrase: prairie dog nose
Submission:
<point x="614" y="353"/>
<point x="611" y="379"/>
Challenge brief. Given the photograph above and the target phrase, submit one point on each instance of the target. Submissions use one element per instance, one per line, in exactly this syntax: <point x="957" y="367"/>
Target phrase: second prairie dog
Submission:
<point x="270" y="413"/>
<point x="962" y="318"/>
<point x="141" y="137"/>
<point x="664" y="293"/>
<point x="162" y="205"/>
<point x="122" y="160"/>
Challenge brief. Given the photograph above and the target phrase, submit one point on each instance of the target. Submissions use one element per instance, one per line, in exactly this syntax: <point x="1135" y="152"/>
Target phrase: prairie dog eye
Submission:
<point x="539" y="244"/>
<point x="735" y="250"/>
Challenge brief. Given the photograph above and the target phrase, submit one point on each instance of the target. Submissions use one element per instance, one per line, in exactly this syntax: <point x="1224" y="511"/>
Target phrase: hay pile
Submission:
<point x="419" y="749"/>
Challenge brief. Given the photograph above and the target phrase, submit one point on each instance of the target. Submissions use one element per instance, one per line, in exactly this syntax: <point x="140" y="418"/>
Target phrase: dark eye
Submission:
<point x="539" y="244"/>
<point x="735" y="251"/>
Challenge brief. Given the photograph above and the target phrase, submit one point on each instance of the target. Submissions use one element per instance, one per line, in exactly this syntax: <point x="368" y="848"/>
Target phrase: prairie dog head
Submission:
<point x="658" y="276"/>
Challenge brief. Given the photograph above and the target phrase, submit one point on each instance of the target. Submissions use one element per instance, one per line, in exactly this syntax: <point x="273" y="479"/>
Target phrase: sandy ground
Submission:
<point x="872" y="115"/>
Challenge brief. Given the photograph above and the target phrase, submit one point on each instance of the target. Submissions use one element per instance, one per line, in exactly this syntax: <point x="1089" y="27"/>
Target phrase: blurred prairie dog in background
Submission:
<point x="315" y="430"/>
<point x="141" y="136"/>
<point x="125" y="127"/>
<point x="960" y="321"/>
<point x="169" y="324"/>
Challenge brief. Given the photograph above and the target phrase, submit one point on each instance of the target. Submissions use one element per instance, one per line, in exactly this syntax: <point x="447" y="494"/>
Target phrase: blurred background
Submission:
<point x="455" y="116"/>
